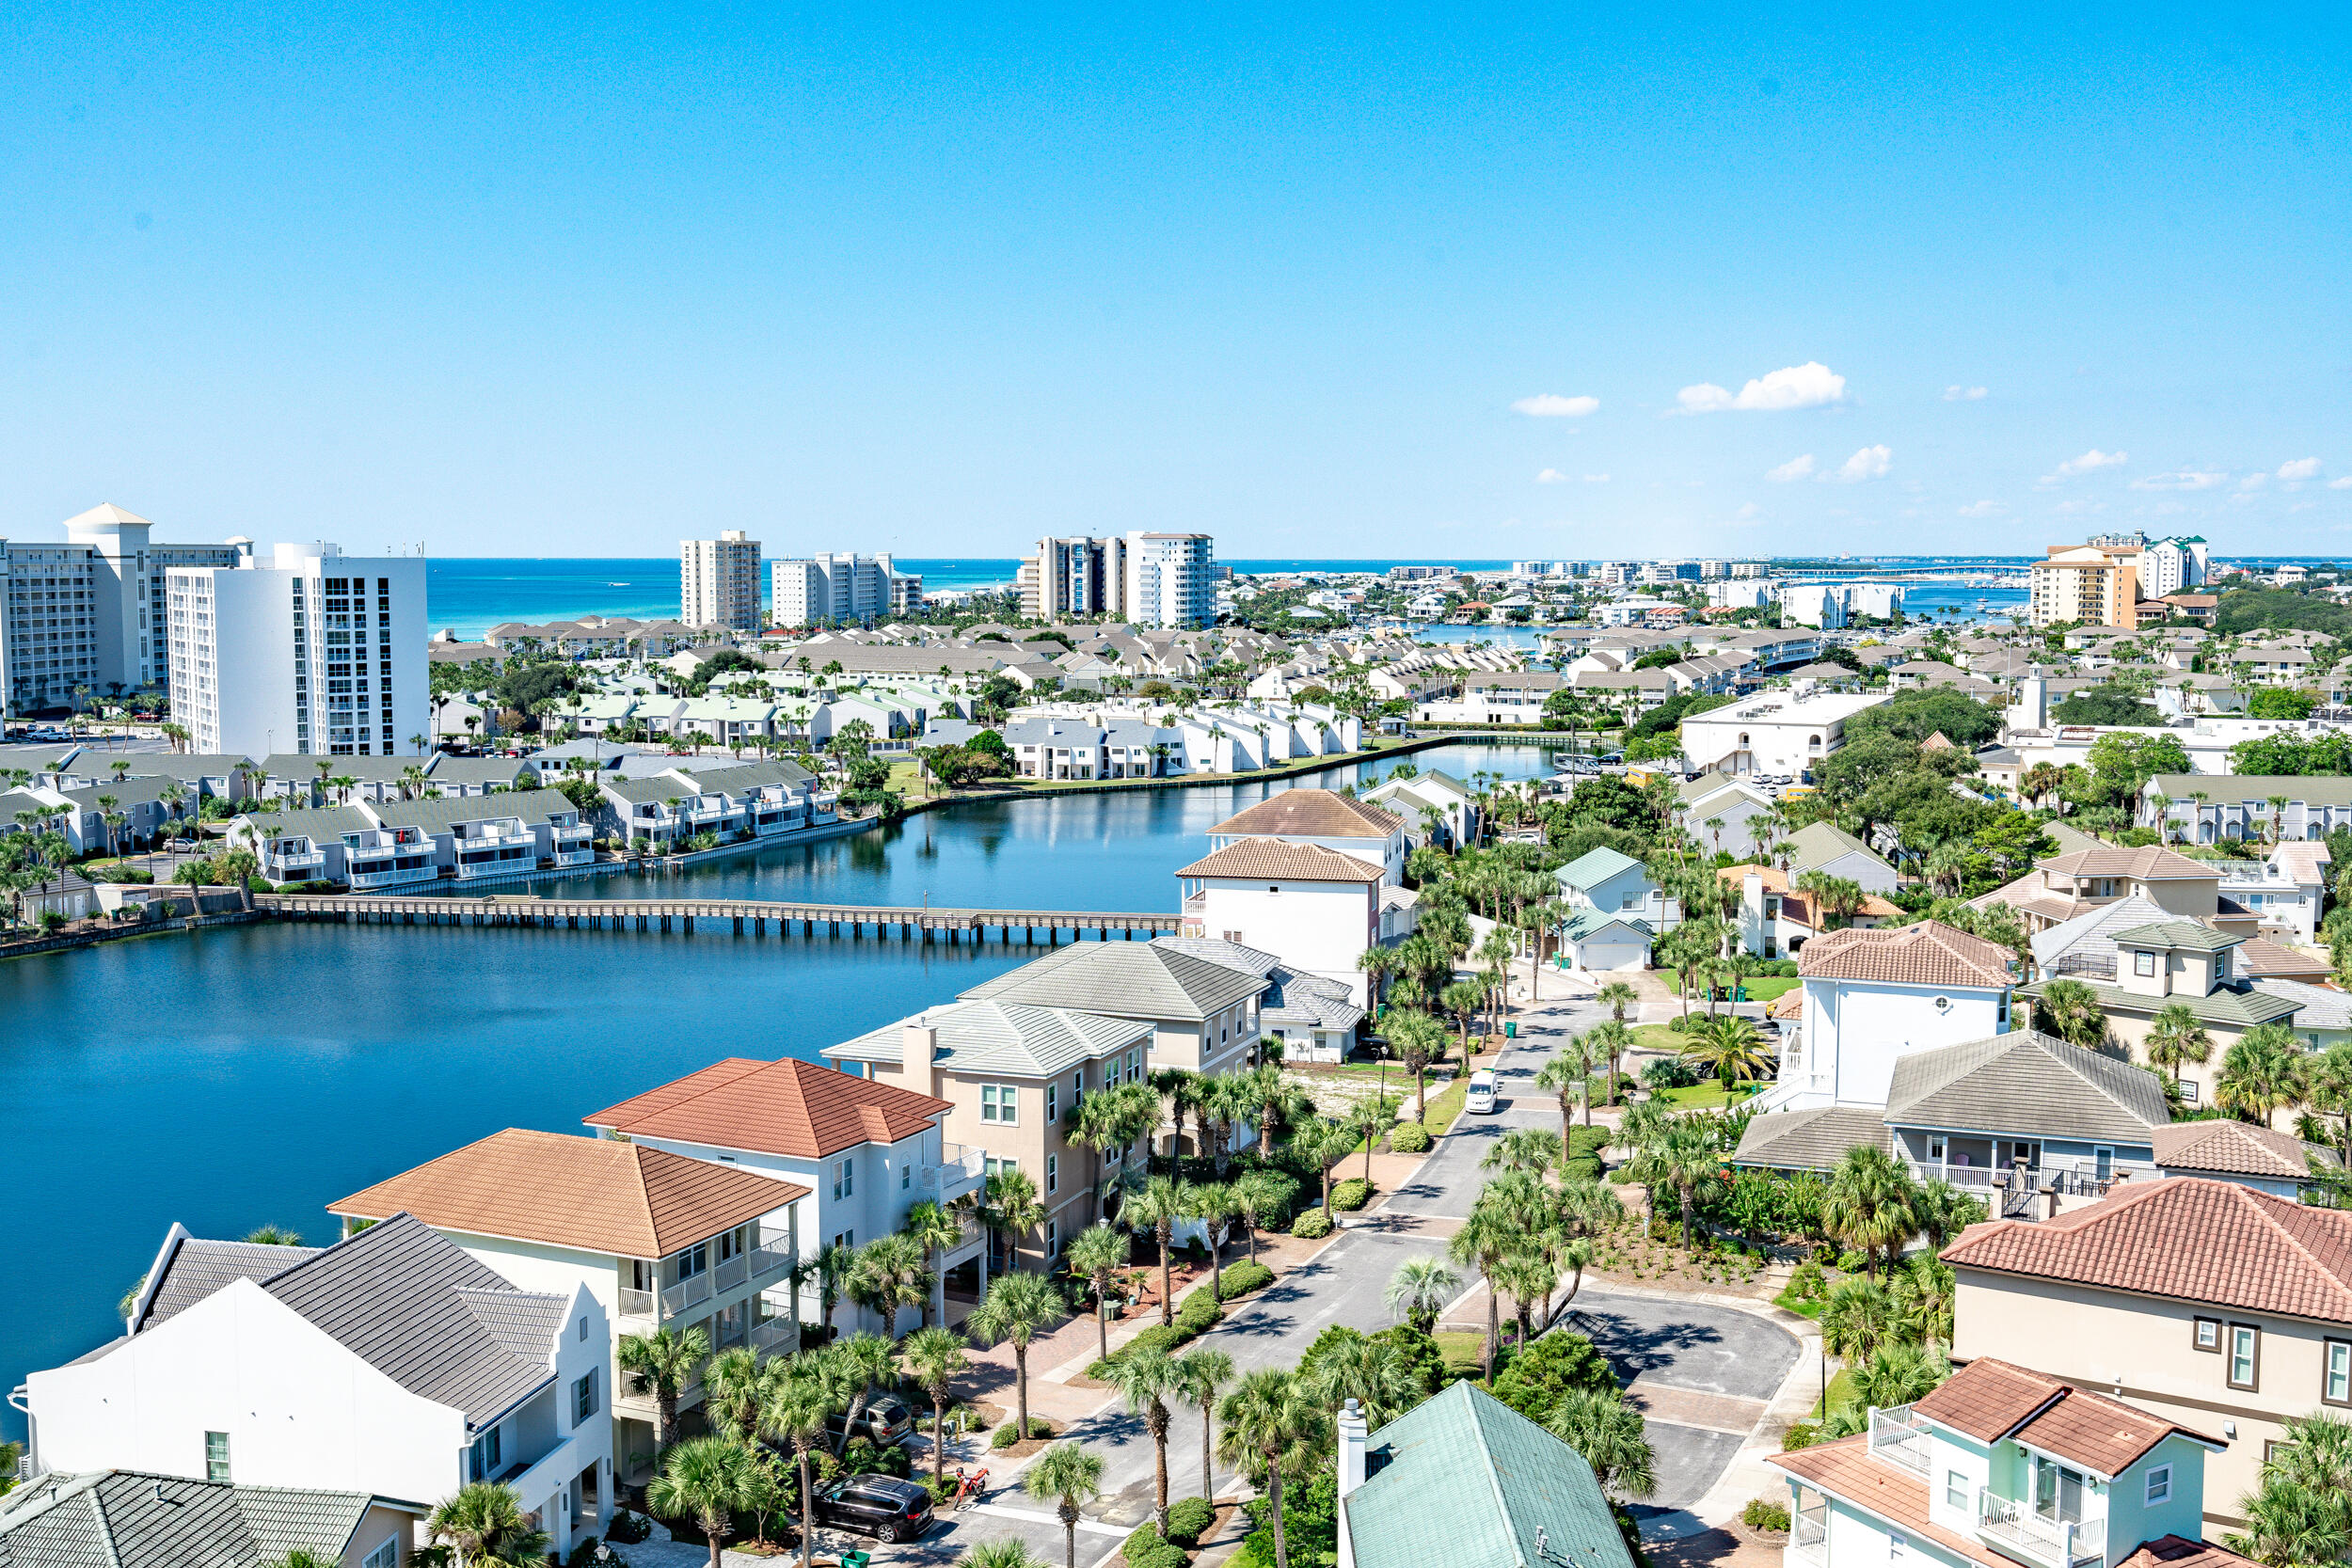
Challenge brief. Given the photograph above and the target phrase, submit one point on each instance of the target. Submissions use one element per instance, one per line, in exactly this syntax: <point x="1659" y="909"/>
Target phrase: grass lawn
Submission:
<point x="1464" y="1353"/>
<point x="1657" y="1037"/>
<point x="1444" y="1107"/>
<point x="1801" y="1308"/>
<point x="1840" y="1392"/>
<point x="1761" y="988"/>
<point x="1705" y="1097"/>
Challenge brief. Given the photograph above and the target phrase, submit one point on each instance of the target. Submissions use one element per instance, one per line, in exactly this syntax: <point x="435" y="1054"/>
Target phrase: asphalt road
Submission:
<point x="1448" y="1180"/>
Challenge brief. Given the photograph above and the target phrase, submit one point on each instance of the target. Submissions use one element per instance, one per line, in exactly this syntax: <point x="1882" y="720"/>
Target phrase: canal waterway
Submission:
<point x="250" y="1075"/>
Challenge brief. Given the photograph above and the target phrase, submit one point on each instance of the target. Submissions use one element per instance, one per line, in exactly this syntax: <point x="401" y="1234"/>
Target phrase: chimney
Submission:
<point x="1352" y="1434"/>
<point x="918" y="1043"/>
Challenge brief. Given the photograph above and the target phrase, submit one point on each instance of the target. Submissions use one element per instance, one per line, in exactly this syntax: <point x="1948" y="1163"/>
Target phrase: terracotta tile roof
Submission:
<point x="2174" y="1551"/>
<point x="595" y="1194"/>
<point x="1312" y="814"/>
<point x="2231" y="1148"/>
<point x="2214" y="1243"/>
<point x="1845" y="1469"/>
<point x="2150" y="861"/>
<point x="800" y="1109"/>
<point x="1928" y="954"/>
<point x="1795" y="903"/>
<point x="2100" y="1433"/>
<point x="1281" y="861"/>
<point x="1989" y="1398"/>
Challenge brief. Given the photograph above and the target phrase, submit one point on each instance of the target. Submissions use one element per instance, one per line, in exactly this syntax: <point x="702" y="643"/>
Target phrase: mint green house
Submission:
<point x="2000" y="1465"/>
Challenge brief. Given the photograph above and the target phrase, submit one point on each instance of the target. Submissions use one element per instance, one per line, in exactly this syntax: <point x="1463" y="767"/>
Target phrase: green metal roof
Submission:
<point x="2240" y="1009"/>
<point x="1596" y="866"/>
<point x="1465" y="1479"/>
<point x="2193" y="935"/>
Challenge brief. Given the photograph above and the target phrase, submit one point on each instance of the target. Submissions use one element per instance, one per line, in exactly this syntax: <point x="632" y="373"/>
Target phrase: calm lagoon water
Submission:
<point x="252" y="1075"/>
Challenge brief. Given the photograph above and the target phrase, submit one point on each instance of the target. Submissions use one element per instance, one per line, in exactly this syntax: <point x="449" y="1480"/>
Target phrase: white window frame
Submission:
<point x="1955" y="1489"/>
<point x="1000" y="1103"/>
<point x="2159" y="1489"/>
<point x="385" y="1555"/>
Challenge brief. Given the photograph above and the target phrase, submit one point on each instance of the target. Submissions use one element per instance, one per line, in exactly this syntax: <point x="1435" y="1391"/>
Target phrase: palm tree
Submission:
<point x="2262" y="1072"/>
<point x="796" y="1412"/>
<point x="2175" y="1035"/>
<point x="1486" y="1239"/>
<point x="1097" y="1252"/>
<point x="934" y="1357"/>
<point x="1070" y="1478"/>
<point x="834" y="1265"/>
<point x="1872" y="1204"/>
<point x="1008" y="1552"/>
<point x="734" y="1385"/>
<point x="1569" y="1076"/>
<point x="1155" y="1205"/>
<point x="863" y="1362"/>
<point x="2071" y="1010"/>
<point x="664" y="1362"/>
<point x="1272" y="1425"/>
<point x="1462" y="1001"/>
<point x="1420" y="1290"/>
<point x="1416" y="1039"/>
<point x="1728" y="1047"/>
<point x="891" y="1271"/>
<point x="1018" y="1305"/>
<point x="485" y="1523"/>
<point x="1145" y="1378"/>
<point x="1684" y="1157"/>
<point x="1012" y="1209"/>
<point x="1524" y="1149"/>
<point x="2329" y="1083"/>
<point x="1257" y="1192"/>
<point x="1201" y="1375"/>
<point x="1371" y="1372"/>
<point x="709" y="1478"/>
<point x="1212" y="1203"/>
<point x="1609" y="1433"/>
<point x="1367" y="1119"/>
<point x="933" y="1229"/>
<point x="1858" y="1317"/>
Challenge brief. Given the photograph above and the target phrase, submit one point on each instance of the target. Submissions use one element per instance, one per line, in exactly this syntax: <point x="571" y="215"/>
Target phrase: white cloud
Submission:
<point x="1962" y="394"/>
<point x="1792" y="470"/>
<point x="1552" y="476"/>
<point x="1806" y="385"/>
<point x="1983" y="509"/>
<point x="1552" y="405"/>
<point x="1595" y="478"/>
<point x="1869" y="462"/>
<point x="2089" y="461"/>
<point x="2253" y="481"/>
<point x="2301" y="467"/>
<point x="2344" y="484"/>
<point x="1748" y="512"/>
<point x="2183" y="479"/>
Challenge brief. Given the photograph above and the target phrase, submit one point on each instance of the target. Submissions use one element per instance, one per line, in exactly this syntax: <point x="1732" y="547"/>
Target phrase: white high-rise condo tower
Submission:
<point x="842" y="588"/>
<point x="1169" y="582"/>
<point x="310" y="651"/>
<point x="718" y="581"/>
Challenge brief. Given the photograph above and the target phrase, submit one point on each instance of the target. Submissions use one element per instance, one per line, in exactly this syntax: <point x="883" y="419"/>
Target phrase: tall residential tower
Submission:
<point x="718" y="581"/>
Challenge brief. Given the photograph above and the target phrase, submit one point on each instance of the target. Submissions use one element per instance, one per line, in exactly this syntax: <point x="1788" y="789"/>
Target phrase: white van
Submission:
<point x="1481" y="1101"/>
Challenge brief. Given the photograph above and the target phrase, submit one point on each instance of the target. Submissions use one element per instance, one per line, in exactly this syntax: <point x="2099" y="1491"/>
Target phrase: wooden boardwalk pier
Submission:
<point x="744" y="916"/>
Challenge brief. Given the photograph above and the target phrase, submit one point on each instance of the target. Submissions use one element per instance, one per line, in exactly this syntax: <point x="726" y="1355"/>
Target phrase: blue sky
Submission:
<point x="579" y="282"/>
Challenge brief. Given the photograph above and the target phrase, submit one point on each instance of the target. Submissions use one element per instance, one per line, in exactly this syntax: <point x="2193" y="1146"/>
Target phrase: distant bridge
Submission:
<point x="746" y="916"/>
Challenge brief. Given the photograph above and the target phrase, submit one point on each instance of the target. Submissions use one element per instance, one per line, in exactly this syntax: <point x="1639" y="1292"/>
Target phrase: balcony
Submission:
<point x="960" y="1170"/>
<point x="310" y="861"/>
<point x="636" y="1303"/>
<point x="572" y="857"/>
<point x="398" y="877"/>
<point x="1899" y="1437"/>
<point x="2014" y="1530"/>
<point x="685" y="1293"/>
<point x="1808" y="1538"/>
<point x="536" y="1481"/>
<point x="577" y="833"/>
<point x="505" y="861"/>
<point x="776" y="1336"/>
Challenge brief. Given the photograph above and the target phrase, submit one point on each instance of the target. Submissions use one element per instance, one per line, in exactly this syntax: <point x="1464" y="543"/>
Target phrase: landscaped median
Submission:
<point x="1198" y="1312"/>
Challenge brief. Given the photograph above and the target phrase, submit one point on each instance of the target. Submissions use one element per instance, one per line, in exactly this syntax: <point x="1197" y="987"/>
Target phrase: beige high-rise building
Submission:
<point x="718" y="581"/>
<point x="2094" y="585"/>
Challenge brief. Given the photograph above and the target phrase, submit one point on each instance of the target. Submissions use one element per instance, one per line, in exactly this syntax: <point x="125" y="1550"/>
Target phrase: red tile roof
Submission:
<point x="1253" y="858"/>
<point x="1846" y="1470"/>
<point x="2174" y="1551"/>
<point x="1989" y="1398"/>
<point x="2214" y="1243"/>
<point x="2146" y="862"/>
<point x="798" y="1109"/>
<point x="2230" y="1148"/>
<point x="1928" y="954"/>
<point x="1311" y="814"/>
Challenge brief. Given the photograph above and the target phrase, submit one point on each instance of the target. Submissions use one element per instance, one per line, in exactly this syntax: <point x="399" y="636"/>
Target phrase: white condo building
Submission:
<point x="1075" y="577"/>
<point x="2171" y="565"/>
<point x="1170" y="579"/>
<point x="311" y="652"/>
<point x="718" y="581"/>
<point x="89" y="612"/>
<point x="840" y="588"/>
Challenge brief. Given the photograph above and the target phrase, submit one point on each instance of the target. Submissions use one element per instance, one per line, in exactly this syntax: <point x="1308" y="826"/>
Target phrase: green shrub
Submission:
<point x="1583" y="1159"/>
<point x="1553" y="1364"/>
<point x="1313" y="1225"/>
<point x="1189" y="1520"/>
<point x="1246" y="1277"/>
<point x="1802" y="1435"/>
<point x="1147" y="1549"/>
<point x="1680" y="1023"/>
<point x="1410" y="1137"/>
<point x="1163" y="1336"/>
<point x="1763" y="1514"/>
<point x="1198" y="1313"/>
<point x="1352" y="1194"/>
<point x="1851" y="1262"/>
<point x="1006" y="1435"/>
<point x="1421" y="1353"/>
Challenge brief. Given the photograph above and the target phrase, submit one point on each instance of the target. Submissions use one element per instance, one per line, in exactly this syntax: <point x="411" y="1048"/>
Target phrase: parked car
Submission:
<point x="885" y="1420"/>
<point x="884" y="1507"/>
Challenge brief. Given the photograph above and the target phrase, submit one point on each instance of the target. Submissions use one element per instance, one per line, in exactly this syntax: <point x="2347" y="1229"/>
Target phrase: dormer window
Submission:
<point x="2143" y="964"/>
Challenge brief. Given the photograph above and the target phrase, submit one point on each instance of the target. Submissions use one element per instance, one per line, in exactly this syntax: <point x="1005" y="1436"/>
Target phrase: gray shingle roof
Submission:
<point x="733" y="776"/>
<point x="186" y="766"/>
<point x="1002" y="1037"/>
<point x="434" y="817"/>
<point x="195" y="1268"/>
<point x="305" y="769"/>
<point x="412" y="1304"/>
<point x="1123" y="979"/>
<point x="2026" y="1084"/>
<point x="1808" y="1140"/>
<point x="1295" y="998"/>
<point x="326" y="825"/>
<point x="2229" y="1007"/>
<point x="449" y="770"/>
<point x="130" y="1519"/>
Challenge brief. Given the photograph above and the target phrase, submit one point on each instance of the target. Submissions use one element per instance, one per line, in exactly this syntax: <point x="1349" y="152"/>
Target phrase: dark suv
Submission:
<point x="884" y="1507"/>
<point x="885" y="1420"/>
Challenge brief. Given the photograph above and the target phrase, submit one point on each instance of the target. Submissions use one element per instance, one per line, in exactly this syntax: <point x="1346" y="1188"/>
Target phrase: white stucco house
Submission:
<point x="391" y="1363"/>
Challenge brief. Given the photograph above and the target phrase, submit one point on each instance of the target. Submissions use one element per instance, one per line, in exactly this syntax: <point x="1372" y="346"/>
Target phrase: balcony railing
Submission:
<point x="768" y="1257"/>
<point x="1808" y="1538"/>
<point x="636" y="1303"/>
<point x="959" y="1170"/>
<point x="776" y="1335"/>
<point x="2014" y="1528"/>
<point x="685" y="1293"/>
<point x="1899" y="1437"/>
<point x="314" y="857"/>
<point x="393" y="879"/>
<point x="730" y="1273"/>
<point x="572" y="857"/>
